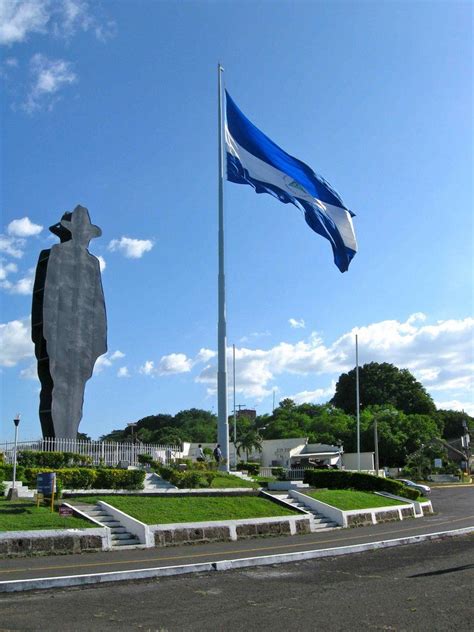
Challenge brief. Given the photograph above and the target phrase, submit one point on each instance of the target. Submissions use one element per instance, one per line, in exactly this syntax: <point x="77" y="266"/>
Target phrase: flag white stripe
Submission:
<point x="263" y="172"/>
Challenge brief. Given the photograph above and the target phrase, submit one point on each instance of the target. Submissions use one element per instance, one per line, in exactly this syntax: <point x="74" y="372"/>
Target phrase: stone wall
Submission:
<point x="53" y="542"/>
<point x="231" y="530"/>
<point x="193" y="535"/>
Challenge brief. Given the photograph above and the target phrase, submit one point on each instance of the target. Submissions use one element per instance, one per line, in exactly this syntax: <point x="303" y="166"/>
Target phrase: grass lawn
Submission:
<point x="229" y="481"/>
<point x="163" y="510"/>
<point x="347" y="499"/>
<point x="23" y="515"/>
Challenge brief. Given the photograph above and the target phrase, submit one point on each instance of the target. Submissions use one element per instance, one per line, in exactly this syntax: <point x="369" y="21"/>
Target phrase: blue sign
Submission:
<point x="46" y="483"/>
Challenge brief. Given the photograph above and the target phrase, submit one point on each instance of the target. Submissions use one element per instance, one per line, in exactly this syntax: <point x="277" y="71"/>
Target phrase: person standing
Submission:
<point x="200" y="454"/>
<point x="218" y="453"/>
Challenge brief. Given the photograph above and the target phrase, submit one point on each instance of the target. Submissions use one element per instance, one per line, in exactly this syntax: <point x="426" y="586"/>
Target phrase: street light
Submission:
<point x="376" y="442"/>
<point x="13" y="493"/>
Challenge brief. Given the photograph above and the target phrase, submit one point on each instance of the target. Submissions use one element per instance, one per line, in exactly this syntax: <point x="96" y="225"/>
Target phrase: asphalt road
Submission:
<point x="424" y="587"/>
<point x="454" y="509"/>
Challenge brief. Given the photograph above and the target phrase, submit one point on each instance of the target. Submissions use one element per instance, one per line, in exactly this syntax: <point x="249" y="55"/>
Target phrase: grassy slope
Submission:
<point x="166" y="510"/>
<point x="23" y="515"/>
<point x="228" y="481"/>
<point x="347" y="499"/>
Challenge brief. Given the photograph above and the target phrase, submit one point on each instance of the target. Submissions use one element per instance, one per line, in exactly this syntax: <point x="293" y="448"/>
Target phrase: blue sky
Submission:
<point x="112" y="105"/>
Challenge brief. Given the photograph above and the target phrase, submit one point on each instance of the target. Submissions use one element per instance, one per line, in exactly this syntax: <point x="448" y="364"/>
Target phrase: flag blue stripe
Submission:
<point x="316" y="219"/>
<point x="257" y="143"/>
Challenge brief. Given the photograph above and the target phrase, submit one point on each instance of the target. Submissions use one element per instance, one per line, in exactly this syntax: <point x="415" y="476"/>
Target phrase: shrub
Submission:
<point x="54" y="460"/>
<point x="252" y="468"/>
<point x="119" y="479"/>
<point x="8" y="472"/>
<point x="279" y="473"/>
<point x="337" y="479"/>
<point x="88" y="478"/>
<point x="145" y="459"/>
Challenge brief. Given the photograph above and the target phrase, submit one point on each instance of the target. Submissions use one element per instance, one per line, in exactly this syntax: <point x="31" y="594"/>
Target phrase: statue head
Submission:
<point x="80" y="227"/>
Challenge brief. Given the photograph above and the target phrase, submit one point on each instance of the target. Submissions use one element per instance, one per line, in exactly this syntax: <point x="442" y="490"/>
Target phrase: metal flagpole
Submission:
<point x="357" y="404"/>
<point x="235" y="415"/>
<point x="223" y="424"/>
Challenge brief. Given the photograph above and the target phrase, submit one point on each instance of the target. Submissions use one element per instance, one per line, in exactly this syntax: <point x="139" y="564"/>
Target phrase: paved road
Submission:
<point x="454" y="510"/>
<point x="420" y="587"/>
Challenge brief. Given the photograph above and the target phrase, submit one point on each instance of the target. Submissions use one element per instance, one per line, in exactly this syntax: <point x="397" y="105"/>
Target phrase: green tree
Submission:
<point x="249" y="442"/>
<point x="452" y="423"/>
<point x="382" y="384"/>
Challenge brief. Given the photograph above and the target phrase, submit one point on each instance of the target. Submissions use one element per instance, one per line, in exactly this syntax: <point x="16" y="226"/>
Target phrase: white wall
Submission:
<point x="349" y="460"/>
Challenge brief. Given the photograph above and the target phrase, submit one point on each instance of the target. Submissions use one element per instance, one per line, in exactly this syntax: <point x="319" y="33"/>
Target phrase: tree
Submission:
<point x="249" y="442"/>
<point x="383" y="384"/>
<point x="452" y="423"/>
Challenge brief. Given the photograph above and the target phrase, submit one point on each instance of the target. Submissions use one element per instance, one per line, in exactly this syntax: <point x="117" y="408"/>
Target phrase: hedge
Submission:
<point x="87" y="478"/>
<point x="252" y="468"/>
<point x="337" y="479"/>
<point x="55" y="460"/>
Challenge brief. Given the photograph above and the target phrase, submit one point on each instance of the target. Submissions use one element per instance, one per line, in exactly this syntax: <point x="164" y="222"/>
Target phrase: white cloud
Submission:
<point x="254" y="335"/>
<point x="62" y="18"/>
<point x="6" y="269"/>
<point x="440" y="353"/>
<point x="174" y="363"/>
<point x="12" y="246"/>
<point x="30" y="372"/>
<point x="23" y="227"/>
<point x="204" y="355"/>
<point x="117" y="355"/>
<point x="148" y="368"/>
<point x="454" y="404"/>
<point x="22" y="286"/>
<point x="49" y="76"/>
<point x="131" y="248"/>
<point x="316" y="396"/>
<point x="123" y="372"/>
<point x="15" y="342"/>
<point x="102" y="263"/>
<point x="107" y="360"/>
<point x="296" y="324"/>
<point x="19" y="18"/>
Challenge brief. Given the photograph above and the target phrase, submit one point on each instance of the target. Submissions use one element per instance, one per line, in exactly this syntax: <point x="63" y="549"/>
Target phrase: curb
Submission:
<point x="42" y="583"/>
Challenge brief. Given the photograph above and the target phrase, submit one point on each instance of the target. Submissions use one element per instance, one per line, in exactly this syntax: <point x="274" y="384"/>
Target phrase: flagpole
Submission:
<point x="223" y="424"/>
<point x="357" y="403"/>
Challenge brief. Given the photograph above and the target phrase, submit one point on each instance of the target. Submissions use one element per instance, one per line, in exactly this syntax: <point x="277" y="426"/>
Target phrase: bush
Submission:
<point x="54" y="460"/>
<point x="119" y="479"/>
<point x="7" y="471"/>
<point x="279" y="473"/>
<point x="87" y="478"/>
<point x="337" y="479"/>
<point x="145" y="459"/>
<point x="252" y="468"/>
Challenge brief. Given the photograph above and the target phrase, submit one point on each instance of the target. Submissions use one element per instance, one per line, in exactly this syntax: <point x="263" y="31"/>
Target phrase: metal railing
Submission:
<point x="101" y="452"/>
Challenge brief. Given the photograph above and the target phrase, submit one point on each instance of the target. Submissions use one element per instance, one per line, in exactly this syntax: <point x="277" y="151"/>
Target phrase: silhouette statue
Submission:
<point x="69" y="325"/>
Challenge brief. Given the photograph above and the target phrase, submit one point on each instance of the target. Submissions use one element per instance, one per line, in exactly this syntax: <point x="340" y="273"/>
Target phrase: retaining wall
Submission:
<point x="228" y="530"/>
<point x="52" y="542"/>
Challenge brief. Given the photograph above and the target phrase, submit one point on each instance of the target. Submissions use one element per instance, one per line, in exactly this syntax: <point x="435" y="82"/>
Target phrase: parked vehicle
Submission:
<point x="423" y="489"/>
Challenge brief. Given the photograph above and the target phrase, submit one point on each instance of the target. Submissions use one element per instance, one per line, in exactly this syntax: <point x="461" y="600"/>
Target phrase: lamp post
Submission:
<point x="376" y="443"/>
<point x="132" y="426"/>
<point x="13" y="493"/>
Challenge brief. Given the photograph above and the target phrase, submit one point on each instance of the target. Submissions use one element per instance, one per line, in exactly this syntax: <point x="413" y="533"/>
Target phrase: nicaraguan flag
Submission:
<point x="252" y="158"/>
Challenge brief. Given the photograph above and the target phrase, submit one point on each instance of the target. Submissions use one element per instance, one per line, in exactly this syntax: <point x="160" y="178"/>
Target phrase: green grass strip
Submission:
<point x="24" y="515"/>
<point x="347" y="499"/>
<point x="166" y="510"/>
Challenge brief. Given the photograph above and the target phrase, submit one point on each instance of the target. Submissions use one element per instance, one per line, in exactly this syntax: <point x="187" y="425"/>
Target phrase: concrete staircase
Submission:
<point x="243" y="475"/>
<point x="23" y="491"/>
<point x="121" y="538"/>
<point x="320" y="522"/>
<point x="154" y="483"/>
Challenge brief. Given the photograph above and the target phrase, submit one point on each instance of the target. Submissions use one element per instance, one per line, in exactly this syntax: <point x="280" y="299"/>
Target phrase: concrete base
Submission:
<point x="13" y="494"/>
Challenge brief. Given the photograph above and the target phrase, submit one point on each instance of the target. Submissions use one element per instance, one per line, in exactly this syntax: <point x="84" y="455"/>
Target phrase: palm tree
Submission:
<point x="248" y="442"/>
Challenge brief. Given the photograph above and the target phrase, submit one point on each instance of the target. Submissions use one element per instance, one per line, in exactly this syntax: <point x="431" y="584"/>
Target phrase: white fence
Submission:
<point x="101" y="452"/>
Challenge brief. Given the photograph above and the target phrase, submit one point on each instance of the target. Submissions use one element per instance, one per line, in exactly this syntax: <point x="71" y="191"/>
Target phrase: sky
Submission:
<point x="113" y="105"/>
